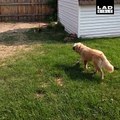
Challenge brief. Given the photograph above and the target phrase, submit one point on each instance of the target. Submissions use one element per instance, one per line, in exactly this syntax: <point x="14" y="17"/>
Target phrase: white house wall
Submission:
<point x="68" y="11"/>
<point x="92" y="25"/>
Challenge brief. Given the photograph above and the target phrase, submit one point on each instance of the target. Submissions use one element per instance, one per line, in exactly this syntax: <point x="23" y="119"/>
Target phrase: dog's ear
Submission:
<point x="78" y="46"/>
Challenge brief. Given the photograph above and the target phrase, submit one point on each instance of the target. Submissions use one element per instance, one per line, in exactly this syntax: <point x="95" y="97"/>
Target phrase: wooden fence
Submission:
<point x="24" y="10"/>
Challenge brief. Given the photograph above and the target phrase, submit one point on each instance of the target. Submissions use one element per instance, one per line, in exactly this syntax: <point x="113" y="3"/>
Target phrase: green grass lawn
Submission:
<point x="45" y="84"/>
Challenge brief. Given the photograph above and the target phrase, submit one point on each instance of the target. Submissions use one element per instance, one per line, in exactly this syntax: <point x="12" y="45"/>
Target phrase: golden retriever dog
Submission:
<point x="97" y="57"/>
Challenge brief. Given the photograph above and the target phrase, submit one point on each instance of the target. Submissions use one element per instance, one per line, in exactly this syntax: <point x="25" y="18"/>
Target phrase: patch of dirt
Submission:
<point x="59" y="82"/>
<point x="39" y="93"/>
<point x="45" y="85"/>
<point x="6" y="51"/>
<point x="17" y="27"/>
<point x="13" y="39"/>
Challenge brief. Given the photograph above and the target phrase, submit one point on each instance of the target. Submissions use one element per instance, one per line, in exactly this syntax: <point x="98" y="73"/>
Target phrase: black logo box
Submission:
<point x="106" y="3"/>
<point x="102" y="3"/>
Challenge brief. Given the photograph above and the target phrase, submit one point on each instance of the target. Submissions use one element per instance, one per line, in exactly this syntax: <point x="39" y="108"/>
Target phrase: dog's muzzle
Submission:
<point x="73" y="48"/>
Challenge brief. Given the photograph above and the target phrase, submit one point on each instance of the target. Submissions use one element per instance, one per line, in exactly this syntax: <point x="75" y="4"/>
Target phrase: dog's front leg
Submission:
<point x="101" y="73"/>
<point x="85" y="64"/>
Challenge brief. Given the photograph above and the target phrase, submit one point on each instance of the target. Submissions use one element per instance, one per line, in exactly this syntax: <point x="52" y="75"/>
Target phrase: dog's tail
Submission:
<point x="106" y="64"/>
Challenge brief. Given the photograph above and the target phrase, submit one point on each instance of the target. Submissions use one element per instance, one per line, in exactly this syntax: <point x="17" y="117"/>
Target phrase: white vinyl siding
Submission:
<point x="68" y="11"/>
<point x="92" y="25"/>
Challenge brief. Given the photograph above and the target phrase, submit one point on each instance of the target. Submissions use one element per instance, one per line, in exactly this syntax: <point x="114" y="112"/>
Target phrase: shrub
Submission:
<point x="53" y="5"/>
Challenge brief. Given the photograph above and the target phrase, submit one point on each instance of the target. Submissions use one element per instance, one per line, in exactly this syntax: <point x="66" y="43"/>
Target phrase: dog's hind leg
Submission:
<point x="99" y="69"/>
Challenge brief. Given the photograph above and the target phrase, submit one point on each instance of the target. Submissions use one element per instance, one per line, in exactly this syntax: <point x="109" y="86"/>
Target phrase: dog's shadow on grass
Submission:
<point x="76" y="72"/>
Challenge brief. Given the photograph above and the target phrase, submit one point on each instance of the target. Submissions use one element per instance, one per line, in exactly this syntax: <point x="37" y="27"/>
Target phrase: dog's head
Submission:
<point x="77" y="47"/>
